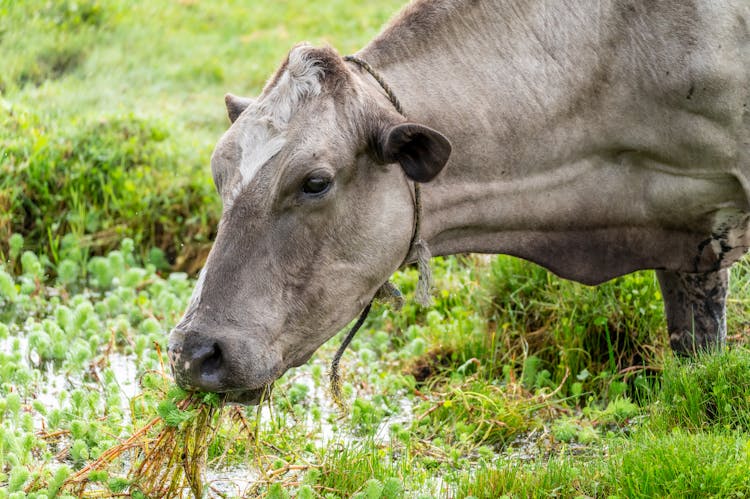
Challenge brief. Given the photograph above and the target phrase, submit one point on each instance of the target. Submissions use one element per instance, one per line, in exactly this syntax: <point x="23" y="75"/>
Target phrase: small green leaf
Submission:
<point x="171" y="414"/>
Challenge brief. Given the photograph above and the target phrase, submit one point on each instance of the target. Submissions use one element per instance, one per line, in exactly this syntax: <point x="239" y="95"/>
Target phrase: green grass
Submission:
<point x="676" y="464"/>
<point x="512" y="383"/>
<point x="709" y="391"/>
<point x="478" y="422"/>
<point x="521" y="427"/>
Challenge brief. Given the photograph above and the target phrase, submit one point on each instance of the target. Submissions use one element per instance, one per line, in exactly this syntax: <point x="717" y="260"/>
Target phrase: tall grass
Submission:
<point x="708" y="391"/>
<point x="610" y="324"/>
<point x="675" y="465"/>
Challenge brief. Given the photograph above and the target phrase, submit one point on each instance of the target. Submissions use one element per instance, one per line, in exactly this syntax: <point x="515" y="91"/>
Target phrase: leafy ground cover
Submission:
<point x="512" y="383"/>
<point x="460" y="399"/>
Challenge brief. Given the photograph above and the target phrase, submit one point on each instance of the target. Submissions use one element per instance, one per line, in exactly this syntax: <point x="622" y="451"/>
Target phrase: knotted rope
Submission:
<point x="388" y="292"/>
<point x="420" y="246"/>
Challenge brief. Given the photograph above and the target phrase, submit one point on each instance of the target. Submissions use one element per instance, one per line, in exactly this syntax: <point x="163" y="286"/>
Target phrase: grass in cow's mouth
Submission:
<point x="165" y="456"/>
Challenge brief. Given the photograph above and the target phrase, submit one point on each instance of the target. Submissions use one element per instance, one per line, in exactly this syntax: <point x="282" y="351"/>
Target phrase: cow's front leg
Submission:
<point x="695" y="308"/>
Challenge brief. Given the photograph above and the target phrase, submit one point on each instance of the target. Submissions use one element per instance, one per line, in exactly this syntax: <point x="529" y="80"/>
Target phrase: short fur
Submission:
<point x="594" y="138"/>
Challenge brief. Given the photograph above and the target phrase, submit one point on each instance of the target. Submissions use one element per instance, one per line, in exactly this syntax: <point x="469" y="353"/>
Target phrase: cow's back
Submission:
<point x="595" y="138"/>
<point x="684" y="75"/>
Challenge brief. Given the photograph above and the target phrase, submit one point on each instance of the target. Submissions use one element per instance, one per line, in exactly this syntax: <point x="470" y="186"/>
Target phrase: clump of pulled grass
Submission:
<point x="166" y="456"/>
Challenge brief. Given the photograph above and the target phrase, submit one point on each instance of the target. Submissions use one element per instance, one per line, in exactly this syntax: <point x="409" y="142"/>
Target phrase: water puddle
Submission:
<point x="126" y="374"/>
<point x="233" y="481"/>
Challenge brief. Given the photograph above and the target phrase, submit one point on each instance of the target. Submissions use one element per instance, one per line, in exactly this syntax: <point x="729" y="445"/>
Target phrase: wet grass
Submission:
<point x="87" y="410"/>
<point x="676" y="464"/>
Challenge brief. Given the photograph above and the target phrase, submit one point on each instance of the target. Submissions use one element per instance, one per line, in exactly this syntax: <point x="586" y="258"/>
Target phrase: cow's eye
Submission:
<point x="316" y="184"/>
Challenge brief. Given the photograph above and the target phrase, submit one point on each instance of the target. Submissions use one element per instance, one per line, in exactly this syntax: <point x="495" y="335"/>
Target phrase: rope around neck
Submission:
<point x="335" y="377"/>
<point x="388" y="90"/>
<point x="417" y="244"/>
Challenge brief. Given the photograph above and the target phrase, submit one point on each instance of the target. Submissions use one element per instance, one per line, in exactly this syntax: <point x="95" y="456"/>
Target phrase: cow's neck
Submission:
<point x="476" y="89"/>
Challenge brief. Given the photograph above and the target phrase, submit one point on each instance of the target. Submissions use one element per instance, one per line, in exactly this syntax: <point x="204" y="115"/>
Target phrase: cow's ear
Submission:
<point x="421" y="151"/>
<point x="235" y="105"/>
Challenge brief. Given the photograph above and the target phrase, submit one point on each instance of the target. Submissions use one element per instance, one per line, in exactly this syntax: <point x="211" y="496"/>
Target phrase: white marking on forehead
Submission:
<point x="300" y="79"/>
<point x="265" y="122"/>
<point x="257" y="148"/>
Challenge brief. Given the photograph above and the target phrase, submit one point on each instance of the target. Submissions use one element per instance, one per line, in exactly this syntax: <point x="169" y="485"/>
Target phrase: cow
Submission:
<point x="594" y="138"/>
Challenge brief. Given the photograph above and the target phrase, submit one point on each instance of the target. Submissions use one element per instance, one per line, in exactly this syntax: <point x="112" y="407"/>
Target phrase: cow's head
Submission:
<point x="318" y="213"/>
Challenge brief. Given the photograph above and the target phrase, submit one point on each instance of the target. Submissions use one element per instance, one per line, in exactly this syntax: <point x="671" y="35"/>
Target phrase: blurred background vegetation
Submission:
<point x="109" y="111"/>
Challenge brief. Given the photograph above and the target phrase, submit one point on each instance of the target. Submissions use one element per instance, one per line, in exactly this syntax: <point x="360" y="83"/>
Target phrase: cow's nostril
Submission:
<point x="199" y="363"/>
<point x="211" y="365"/>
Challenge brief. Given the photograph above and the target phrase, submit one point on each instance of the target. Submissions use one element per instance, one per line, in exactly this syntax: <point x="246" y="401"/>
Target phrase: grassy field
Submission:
<point x="513" y="383"/>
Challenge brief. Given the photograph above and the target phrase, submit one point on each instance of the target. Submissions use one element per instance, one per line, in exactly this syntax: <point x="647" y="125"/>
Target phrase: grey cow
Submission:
<point x="594" y="138"/>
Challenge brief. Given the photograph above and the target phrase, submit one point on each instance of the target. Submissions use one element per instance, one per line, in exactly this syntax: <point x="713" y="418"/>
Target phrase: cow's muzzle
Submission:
<point x="203" y="363"/>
